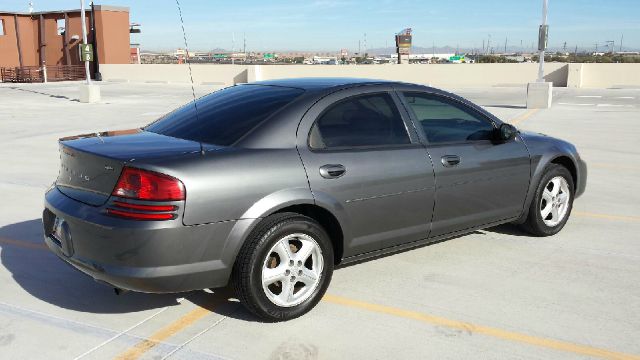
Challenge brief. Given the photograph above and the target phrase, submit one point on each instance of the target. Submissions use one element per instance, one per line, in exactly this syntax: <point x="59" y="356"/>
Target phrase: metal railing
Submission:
<point x="31" y="74"/>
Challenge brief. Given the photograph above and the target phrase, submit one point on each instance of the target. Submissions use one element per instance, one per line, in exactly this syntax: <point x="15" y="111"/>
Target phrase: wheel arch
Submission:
<point x="569" y="164"/>
<point x="327" y="220"/>
<point x="538" y="170"/>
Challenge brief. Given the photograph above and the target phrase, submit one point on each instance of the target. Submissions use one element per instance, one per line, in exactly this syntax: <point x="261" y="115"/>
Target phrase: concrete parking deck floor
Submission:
<point x="496" y="293"/>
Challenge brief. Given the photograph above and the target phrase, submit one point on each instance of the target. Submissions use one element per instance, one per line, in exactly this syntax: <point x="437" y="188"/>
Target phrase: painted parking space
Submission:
<point x="496" y="292"/>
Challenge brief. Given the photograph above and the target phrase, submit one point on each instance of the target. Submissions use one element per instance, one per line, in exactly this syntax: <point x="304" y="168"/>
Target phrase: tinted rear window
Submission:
<point x="225" y="116"/>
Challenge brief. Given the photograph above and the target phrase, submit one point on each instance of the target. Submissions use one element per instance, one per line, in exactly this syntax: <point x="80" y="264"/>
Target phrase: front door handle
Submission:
<point x="332" y="171"/>
<point x="450" y="160"/>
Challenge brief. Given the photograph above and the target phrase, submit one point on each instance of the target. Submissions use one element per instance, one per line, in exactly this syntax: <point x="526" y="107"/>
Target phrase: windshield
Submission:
<point x="225" y="116"/>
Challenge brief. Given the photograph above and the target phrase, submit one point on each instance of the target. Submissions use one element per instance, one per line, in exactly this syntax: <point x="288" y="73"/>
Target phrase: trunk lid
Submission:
<point x="90" y="165"/>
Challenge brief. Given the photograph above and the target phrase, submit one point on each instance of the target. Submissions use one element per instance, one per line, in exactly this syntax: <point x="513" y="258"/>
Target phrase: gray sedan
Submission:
<point x="270" y="185"/>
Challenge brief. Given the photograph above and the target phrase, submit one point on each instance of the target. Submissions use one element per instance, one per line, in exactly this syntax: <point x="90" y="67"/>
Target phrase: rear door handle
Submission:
<point x="450" y="160"/>
<point x="332" y="171"/>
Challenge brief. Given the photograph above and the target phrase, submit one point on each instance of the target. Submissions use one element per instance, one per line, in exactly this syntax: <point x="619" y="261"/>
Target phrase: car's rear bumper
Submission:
<point x="145" y="256"/>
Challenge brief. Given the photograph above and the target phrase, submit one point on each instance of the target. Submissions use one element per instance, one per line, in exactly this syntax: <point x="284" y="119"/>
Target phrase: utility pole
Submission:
<point x="564" y="47"/>
<point x="365" y="43"/>
<point x="505" y="45"/>
<point x="545" y="5"/>
<point x="233" y="46"/>
<point x="621" y="38"/>
<point x="488" y="44"/>
<point x="611" y="45"/>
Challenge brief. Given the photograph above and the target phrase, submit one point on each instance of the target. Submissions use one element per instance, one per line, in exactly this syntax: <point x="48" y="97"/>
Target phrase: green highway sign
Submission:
<point x="219" y="56"/>
<point x="268" y="56"/>
<point x="86" y="52"/>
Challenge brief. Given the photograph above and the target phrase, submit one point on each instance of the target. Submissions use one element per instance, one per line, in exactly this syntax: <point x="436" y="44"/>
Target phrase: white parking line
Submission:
<point x="120" y="334"/>
<point x="575" y="104"/>
<point x="589" y="96"/>
<point x="614" y="105"/>
<point x="625" y="97"/>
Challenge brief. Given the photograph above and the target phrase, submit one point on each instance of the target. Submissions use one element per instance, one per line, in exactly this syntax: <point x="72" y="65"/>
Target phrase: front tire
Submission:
<point x="552" y="203"/>
<point x="284" y="267"/>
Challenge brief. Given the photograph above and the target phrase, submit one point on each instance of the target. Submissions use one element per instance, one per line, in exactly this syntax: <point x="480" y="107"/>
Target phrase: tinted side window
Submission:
<point x="224" y="116"/>
<point x="367" y="120"/>
<point x="446" y="121"/>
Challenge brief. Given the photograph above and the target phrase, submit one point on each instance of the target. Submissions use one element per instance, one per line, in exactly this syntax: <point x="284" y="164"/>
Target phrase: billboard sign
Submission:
<point x="403" y="44"/>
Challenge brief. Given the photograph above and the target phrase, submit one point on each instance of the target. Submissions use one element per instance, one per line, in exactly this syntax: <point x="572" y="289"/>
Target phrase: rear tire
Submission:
<point x="284" y="267"/>
<point x="551" y="206"/>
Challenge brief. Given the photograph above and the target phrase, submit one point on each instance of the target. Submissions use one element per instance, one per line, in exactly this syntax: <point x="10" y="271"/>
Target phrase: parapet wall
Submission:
<point x="441" y="75"/>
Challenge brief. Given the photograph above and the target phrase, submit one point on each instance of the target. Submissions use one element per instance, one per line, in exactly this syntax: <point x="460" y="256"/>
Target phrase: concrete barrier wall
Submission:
<point x="445" y="75"/>
<point x="217" y="75"/>
<point x="442" y="75"/>
<point x="610" y="75"/>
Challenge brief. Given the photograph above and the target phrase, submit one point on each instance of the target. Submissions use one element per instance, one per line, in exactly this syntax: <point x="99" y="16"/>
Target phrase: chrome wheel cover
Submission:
<point x="555" y="201"/>
<point x="292" y="269"/>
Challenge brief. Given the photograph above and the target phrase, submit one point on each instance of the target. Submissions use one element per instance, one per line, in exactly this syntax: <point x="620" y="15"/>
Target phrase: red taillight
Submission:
<point x="144" y="207"/>
<point x="148" y="185"/>
<point x="140" y="216"/>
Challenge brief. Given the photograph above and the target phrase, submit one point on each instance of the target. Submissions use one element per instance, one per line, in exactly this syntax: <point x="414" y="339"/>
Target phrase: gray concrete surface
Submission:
<point x="496" y="293"/>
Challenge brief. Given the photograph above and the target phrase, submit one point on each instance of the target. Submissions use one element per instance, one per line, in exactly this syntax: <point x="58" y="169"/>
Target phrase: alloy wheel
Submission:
<point x="292" y="269"/>
<point x="555" y="201"/>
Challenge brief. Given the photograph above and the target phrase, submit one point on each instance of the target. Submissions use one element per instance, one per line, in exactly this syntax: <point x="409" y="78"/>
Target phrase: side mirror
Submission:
<point x="507" y="132"/>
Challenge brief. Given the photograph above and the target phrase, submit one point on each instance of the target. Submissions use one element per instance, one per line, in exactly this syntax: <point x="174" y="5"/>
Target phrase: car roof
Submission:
<point x="320" y="83"/>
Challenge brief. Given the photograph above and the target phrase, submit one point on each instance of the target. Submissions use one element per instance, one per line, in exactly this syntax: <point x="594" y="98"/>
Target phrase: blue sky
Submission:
<point x="334" y="24"/>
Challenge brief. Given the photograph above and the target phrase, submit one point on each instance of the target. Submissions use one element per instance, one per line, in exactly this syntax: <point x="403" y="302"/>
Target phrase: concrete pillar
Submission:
<point x="89" y="93"/>
<point x="574" y="75"/>
<point x="539" y="95"/>
<point x="254" y="73"/>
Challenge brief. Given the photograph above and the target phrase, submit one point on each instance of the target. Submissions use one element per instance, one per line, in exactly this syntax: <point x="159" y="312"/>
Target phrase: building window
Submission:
<point x="1" y="27"/>
<point x="60" y="25"/>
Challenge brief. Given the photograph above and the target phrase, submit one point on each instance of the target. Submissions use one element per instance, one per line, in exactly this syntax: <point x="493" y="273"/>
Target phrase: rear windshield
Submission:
<point x="225" y="116"/>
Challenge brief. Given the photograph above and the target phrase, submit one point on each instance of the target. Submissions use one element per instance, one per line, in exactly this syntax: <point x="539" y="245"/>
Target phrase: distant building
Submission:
<point x="51" y="38"/>
<point x="325" y="60"/>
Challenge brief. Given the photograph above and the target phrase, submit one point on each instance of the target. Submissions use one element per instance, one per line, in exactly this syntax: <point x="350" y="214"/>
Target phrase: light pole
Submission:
<point x="84" y="39"/>
<point x="89" y="93"/>
<point x="539" y="93"/>
<point x="541" y="41"/>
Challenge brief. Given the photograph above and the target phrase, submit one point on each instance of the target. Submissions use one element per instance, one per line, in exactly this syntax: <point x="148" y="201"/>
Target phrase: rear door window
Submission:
<point x="362" y="121"/>
<point x="225" y="116"/>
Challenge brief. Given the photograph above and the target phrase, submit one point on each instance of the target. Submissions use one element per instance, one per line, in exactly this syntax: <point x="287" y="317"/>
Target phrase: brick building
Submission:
<point x="51" y="38"/>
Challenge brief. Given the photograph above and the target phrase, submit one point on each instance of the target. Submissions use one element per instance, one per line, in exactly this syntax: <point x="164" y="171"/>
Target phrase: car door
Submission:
<point x="360" y="151"/>
<point x="478" y="180"/>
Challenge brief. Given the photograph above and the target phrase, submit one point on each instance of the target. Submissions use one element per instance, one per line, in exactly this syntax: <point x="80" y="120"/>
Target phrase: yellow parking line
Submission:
<point x="524" y="116"/>
<point x="145" y="345"/>
<point x="497" y="333"/>
<point x="24" y="244"/>
<point x="607" y="216"/>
